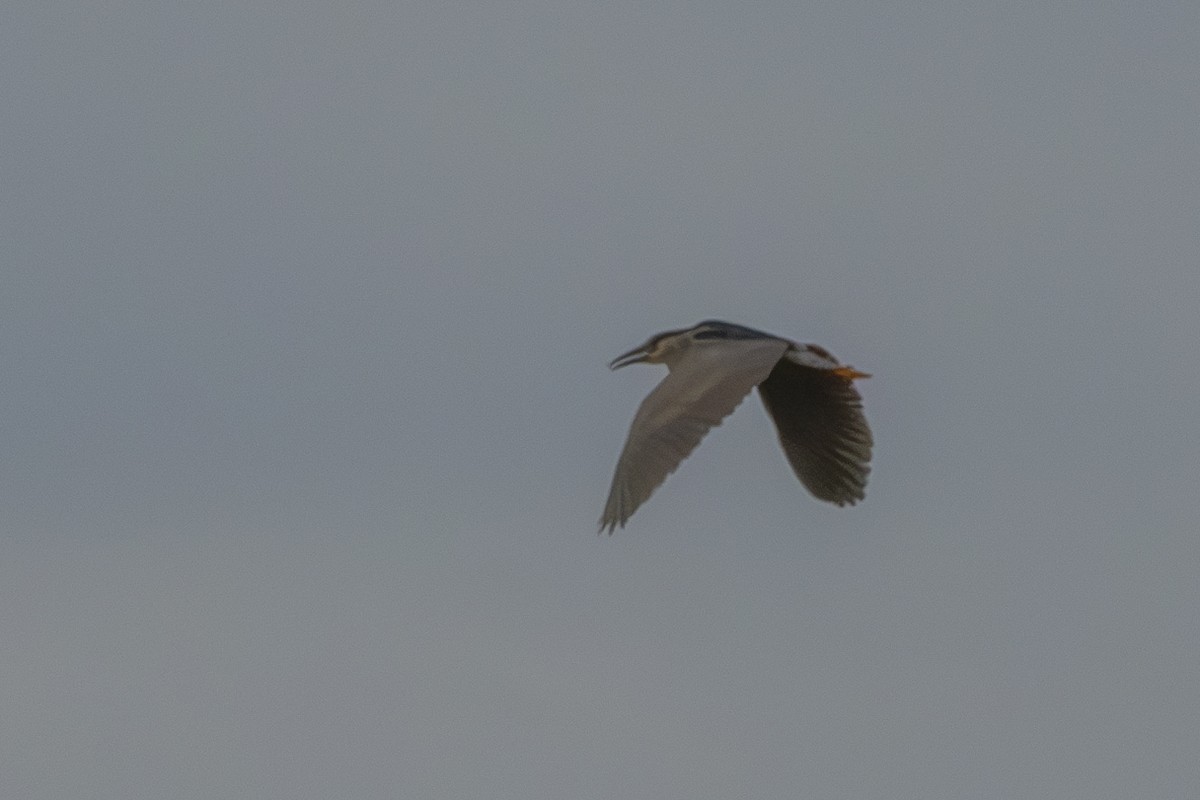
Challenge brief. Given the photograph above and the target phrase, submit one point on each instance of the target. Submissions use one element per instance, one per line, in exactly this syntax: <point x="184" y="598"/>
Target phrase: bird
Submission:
<point x="712" y="366"/>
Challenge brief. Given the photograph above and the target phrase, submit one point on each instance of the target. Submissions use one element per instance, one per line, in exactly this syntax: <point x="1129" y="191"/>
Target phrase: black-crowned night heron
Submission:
<point x="712" y="367"/>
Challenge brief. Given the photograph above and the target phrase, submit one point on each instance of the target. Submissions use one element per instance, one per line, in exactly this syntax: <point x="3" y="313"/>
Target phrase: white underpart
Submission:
<point x="805" y="357"/>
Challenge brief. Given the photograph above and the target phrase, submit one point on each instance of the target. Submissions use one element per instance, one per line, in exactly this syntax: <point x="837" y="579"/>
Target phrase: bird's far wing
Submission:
<point x="819" y="416"/>
<point x="700" y="391"/>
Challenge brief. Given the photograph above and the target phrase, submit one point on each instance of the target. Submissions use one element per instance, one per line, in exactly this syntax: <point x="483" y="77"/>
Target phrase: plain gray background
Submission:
<point x="306" y="424"/>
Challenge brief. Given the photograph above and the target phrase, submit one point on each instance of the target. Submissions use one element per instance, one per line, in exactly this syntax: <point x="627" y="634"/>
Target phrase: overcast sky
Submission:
<point x="306" y="425"/>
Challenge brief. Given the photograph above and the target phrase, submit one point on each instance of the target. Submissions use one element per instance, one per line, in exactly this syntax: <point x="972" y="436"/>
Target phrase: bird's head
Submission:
<point x="664" y="348"/>
<point x="655" y="350"/>
<point x="669" y="346"/>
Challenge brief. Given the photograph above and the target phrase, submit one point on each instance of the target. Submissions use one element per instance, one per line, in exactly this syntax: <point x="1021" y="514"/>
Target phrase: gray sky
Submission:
<point x="306" y="423"/>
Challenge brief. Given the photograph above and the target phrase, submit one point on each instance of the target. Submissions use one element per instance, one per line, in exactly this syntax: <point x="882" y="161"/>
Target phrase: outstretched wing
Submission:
<point x="819" y="416"/>
<point x="701" y="390"/>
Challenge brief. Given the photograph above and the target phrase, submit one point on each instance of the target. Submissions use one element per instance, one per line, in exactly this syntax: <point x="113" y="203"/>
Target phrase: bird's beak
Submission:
<point x="634" y="356"/>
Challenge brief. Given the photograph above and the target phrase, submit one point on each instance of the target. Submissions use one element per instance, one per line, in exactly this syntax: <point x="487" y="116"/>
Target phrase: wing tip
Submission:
<point x="611" y="524"/>
<point x="843" y="495"/>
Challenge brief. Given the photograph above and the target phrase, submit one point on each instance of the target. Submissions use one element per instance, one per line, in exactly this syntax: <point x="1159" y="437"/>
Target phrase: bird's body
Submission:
<point x="809" y="395"/>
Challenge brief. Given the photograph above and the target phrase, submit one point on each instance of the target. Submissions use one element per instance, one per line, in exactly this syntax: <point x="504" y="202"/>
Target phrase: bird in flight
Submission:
<point x="712" y="366"/>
